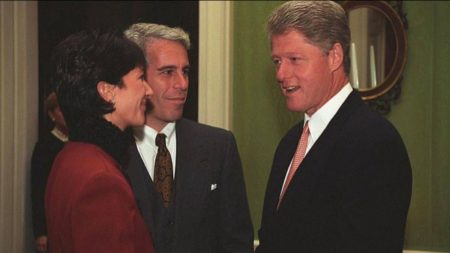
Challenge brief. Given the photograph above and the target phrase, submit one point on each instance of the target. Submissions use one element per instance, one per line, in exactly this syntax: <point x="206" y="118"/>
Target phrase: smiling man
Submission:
<point x="187" y="177"/>
<point x="341" y="178"/>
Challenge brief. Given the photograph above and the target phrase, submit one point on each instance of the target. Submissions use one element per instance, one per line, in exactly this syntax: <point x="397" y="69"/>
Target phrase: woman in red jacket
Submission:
<point x="101" y="89"/>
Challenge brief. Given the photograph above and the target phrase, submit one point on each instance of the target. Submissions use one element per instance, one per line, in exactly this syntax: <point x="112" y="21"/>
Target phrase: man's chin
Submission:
<point x="295" y="108"/>
<point x="168" y="118"/>
<point x="175" y="117"/>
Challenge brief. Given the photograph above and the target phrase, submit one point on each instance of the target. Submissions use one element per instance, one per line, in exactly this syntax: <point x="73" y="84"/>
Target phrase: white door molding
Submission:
<point x="215" y="68"/>
<point x="18" y="119"/>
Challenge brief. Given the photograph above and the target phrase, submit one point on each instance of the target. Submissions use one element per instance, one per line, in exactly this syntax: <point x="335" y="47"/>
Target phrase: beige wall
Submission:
<point x="18" y="120"/>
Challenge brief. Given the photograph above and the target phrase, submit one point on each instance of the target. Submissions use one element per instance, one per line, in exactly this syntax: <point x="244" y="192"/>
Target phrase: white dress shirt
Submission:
<point x="145" y="141"/>
<point x="320" y="119"/>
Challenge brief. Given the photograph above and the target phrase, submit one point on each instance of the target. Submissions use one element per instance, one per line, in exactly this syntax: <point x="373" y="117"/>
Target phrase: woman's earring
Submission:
<point x="113" y="101"/>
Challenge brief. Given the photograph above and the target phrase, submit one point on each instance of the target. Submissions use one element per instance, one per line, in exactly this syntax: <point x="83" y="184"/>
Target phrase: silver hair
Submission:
<point x="145" y="33"/>
<point x="323" y="23"/>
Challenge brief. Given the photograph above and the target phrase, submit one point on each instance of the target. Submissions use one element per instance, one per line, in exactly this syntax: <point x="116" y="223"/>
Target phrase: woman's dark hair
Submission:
<point x="84" y="59"/>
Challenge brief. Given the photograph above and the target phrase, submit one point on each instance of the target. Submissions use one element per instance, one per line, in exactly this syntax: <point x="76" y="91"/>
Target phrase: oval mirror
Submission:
<point x="377" y="50"/>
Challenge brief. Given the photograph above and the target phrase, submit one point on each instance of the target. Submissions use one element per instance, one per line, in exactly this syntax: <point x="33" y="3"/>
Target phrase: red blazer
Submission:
<point x="90" y="206"/>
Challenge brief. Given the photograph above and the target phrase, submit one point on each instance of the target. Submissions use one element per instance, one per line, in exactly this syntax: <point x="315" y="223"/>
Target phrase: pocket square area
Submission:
<point x="213" y="187"/>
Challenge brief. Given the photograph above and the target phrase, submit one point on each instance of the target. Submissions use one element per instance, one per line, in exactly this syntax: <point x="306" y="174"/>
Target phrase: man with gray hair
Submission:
<point x="341" y="178"/>
<point x="187" y="177"/>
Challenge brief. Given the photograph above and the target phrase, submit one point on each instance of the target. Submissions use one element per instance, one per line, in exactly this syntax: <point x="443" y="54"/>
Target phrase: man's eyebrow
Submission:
<point x="173" y="67"/>
<point x="167" y="67"/>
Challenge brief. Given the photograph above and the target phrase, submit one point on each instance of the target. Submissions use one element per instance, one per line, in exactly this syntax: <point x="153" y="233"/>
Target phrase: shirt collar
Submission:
<point x="60" y="135"/>
<point x="320" y="119"/>
<point x="148" y="134"/>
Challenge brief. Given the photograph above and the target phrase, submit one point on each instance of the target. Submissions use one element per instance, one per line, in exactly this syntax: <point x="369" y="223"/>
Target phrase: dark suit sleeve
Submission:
<point x="40" y="163"/>
<point x="236" y="227"/>
<point x="374" y="189"/>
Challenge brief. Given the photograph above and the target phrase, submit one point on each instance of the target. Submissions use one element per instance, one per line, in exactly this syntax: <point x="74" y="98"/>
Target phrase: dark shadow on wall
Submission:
<point x="57" y="20"/>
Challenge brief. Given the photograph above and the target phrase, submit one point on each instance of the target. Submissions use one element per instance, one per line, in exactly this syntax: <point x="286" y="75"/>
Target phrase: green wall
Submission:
<point x="421" y="115"/>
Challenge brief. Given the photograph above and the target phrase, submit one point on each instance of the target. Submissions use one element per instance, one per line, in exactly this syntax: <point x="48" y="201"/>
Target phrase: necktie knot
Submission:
<point x="305" y="132"/>
<point x="160" y="140"/>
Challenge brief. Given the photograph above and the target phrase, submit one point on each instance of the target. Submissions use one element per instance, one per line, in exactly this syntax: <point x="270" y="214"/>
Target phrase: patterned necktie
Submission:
<point x="163" y="176"/>
<point x="298" y="158"/>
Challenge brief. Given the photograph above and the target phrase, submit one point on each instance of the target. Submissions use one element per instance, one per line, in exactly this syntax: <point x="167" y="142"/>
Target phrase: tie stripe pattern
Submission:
<point x="297" y="159"/>
<point x="163" y="177"/>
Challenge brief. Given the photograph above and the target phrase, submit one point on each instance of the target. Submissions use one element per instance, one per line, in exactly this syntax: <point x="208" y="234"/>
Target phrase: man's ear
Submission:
<point x="336" y="57"/>
<point x="106" y="91"/>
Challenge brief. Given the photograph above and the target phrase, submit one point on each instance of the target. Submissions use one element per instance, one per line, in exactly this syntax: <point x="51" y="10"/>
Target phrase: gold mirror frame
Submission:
<point x="381" y="97"/>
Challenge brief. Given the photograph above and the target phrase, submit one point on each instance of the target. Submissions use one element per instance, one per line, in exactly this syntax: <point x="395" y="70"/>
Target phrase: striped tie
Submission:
<point x="297" y="159"/>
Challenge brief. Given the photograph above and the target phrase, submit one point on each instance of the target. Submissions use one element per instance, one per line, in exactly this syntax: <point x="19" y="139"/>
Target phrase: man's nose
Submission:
<point x="282" y="71"/>
<point x="148" y="89"/>
<point x="182" y="81"/>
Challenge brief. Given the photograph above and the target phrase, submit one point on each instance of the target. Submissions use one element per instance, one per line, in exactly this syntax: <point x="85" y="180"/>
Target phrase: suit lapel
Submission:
<point x="191" y="172"/>
<point x="315" y="162"/>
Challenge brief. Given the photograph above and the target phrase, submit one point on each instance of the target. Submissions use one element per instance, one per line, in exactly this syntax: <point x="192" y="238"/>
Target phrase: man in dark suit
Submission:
<point x="341" y="178"/>
<point x="199" y="204"/>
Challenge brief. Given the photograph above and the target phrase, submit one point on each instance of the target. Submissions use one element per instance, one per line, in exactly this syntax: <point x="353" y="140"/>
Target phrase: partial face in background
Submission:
<point x="303" y="71"/>
<point x="58" y="118"/>
<point x="168" y="76"/>
<point x="130" y="100"/>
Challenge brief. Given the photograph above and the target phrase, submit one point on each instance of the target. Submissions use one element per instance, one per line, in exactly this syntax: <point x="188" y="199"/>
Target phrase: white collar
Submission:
<point x="148" y="134"/>
<point x="60" y="135"/>
<point x="320" y="119"/>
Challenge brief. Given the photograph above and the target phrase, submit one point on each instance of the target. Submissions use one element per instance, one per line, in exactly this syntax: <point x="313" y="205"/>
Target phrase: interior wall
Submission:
<point x="215" y="68"/>
<point x="18" y="120"/>
<point x="423" y="118"/>
<point x="421" y="115"/>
